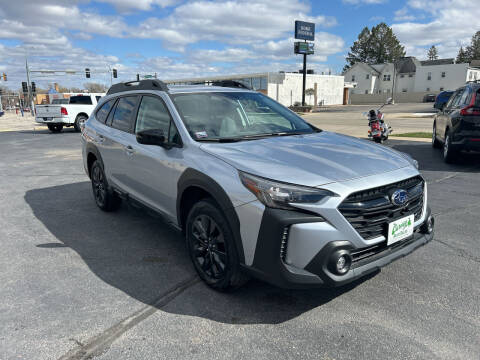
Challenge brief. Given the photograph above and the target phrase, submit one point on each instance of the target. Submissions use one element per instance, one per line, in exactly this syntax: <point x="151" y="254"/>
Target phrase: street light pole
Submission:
<point x="30" y="95"/>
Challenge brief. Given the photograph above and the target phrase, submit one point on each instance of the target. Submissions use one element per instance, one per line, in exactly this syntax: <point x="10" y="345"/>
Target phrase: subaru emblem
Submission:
<point x="399" y="197"/>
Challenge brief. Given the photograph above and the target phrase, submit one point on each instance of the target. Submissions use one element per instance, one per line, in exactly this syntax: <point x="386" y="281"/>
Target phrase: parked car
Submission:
<point x="457" y="126"/>
<point x="75" y="113"/>
<point x="429" y="98"/>
<point x="255" y="189"/>
<point x="442" y="99"/>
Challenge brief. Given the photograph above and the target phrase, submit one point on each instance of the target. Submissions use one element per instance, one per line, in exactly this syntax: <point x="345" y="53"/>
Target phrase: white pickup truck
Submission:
<point x="75" y="113"/>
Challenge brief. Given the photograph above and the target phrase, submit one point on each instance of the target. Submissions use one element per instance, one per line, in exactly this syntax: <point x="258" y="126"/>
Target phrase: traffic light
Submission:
<point x="24" y="87"/>
<point x="4" y="77"/>
<point x="34" y="88"/>
<point x="87" y="73"/>
<point x="114" y="71"/>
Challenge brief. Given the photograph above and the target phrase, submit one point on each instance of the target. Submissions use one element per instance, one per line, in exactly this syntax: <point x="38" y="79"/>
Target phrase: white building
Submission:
<point x="286" y="88"/>
<point x="410" y="75"/>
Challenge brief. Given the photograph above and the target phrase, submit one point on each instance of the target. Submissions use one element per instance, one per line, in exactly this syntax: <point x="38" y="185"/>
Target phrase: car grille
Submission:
<point x="370" y="211"/>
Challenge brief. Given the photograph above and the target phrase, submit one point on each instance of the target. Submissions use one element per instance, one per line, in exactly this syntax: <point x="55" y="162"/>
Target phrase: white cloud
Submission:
<point x="403" y="15"/>
<point x="142" y="5"/>
<point x="231" y="22"/>
<point x="452" y="24"/>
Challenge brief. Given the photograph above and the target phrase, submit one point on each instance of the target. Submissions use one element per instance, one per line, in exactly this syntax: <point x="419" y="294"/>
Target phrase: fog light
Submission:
<point x="340" y="262"/>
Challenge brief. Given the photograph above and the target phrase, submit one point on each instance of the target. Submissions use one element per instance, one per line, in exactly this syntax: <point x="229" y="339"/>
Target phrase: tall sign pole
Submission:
<point x="304" y="31"/>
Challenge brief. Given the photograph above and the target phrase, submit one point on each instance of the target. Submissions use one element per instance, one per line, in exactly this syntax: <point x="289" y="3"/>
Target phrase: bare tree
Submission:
<point x="95" y="87"/>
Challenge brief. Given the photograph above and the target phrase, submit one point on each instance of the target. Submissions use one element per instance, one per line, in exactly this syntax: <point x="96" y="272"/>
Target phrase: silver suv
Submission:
<point x="256" y="190"/>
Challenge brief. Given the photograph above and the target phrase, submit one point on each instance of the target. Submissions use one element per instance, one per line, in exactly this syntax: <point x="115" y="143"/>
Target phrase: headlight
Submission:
<point x="279" y="195"/>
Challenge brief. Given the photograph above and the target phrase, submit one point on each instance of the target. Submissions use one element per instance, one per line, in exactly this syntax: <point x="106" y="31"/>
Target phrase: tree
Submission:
<point x="376" y="46"/>
<point x="473" y="51"/>
<point x="310" y="92"/>
<point x="432" y="53"/>
<point x="462" y="56"/>
<point x="95" y="87"/>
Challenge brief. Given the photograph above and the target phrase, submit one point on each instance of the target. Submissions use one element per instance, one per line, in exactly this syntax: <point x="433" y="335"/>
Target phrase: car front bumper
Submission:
<point x="268" y="264"/>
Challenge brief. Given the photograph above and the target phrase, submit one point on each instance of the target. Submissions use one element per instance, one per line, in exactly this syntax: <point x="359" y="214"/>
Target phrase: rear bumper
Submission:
<point x="268" y="264"/>
<point x="53" y="120"/>
<point x="468" y="142"/>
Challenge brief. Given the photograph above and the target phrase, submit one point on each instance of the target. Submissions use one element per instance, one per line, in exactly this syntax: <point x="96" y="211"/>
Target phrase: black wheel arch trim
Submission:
<point x="194" y="178"/>
<point x="92" y="149"/>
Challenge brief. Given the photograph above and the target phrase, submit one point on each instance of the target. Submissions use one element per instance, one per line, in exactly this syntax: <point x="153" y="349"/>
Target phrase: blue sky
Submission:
<point x="181" y="39"/>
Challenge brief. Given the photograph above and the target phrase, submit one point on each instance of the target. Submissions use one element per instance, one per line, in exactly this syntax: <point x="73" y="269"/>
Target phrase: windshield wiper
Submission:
<point x="221" y="140"/>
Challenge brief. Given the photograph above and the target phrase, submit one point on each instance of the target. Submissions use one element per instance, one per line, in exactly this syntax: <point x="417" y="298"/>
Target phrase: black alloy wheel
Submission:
<point x="104" y="198"/>
<point x="209" y="247"/>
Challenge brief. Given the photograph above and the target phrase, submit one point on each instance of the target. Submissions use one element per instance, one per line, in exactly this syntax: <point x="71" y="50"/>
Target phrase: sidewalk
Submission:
<point x="12" y="122"/>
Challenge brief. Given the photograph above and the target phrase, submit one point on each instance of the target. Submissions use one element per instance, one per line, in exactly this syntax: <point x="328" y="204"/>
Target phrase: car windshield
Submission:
<point x="217" y="116"/>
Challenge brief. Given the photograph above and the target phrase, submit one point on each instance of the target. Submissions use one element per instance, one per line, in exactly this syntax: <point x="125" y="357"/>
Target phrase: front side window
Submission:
<point x="124" y="113"/>
<point x="154" y="115"/>
<point x="216" y="116"/>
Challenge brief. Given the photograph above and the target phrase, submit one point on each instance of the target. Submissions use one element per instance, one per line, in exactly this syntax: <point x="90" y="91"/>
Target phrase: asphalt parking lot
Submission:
<point x="79" y="283"/>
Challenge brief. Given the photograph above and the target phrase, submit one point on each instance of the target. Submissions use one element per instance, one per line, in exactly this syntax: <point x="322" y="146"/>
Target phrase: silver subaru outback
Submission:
<point x="255" y="189"/>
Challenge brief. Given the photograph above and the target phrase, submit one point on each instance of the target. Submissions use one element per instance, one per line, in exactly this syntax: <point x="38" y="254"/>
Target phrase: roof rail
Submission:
<point x="138" y="85"/>
<point x="231" y="83"/>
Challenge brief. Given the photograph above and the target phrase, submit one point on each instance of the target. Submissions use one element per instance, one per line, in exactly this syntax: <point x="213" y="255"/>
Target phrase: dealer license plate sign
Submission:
<point x="400" y="229"/>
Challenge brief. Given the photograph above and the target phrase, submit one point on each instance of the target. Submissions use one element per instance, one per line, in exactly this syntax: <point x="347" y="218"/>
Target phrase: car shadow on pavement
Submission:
<point x="143" y="256"/>
<point x="431" y="159"/>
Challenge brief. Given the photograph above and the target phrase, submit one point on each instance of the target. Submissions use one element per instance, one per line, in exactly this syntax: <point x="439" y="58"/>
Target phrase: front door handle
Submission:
<point x="129" y="150"/>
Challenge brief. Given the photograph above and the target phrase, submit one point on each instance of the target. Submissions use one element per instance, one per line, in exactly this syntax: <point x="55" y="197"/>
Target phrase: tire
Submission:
<point x="55" y="128"/>
<point x="211" y="246"/>
<point x="104" y="197"/>
<point x="79" y="122"/>
<point x="449" y="151"/>
<point x="435" y="143"/>
<point x="378" y="140"/>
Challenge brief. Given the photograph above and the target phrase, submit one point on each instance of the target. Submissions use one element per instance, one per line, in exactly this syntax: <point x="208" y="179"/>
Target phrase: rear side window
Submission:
<point x="104" y="110"/>
<point x="82" y="100"/>
<point x="124" y="113"/>
<point x="466" y="97"/>
<point x="454" y="99"/>
<point x="98" y="98"/>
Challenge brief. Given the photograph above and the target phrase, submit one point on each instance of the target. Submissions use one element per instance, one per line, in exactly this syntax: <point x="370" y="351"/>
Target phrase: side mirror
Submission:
<point x="151" y="137"/>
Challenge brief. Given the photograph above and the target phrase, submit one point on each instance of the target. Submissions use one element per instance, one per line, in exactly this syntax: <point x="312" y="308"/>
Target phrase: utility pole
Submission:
<point x="304" y="78"/>
<point x="30" y="97"/>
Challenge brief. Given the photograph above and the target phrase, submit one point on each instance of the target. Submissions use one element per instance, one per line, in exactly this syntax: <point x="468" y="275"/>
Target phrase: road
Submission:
<point x="78" y="283"/>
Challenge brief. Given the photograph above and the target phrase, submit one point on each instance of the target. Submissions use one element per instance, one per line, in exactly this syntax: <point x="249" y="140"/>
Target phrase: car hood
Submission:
<point x="310" y="160"/>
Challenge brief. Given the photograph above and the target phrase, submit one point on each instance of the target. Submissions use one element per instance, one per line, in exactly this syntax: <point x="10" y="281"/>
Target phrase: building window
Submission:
<point x="429" y="76"/>
<point x="366" y="91"/>
<point x="367" y="76"/>
<point x="428" y="89"/>
<point x="410" y="75"/>
<point x="386" y="77"/>
<point x="441" y="89"/>
<point x="404" y="90"/>
<point x="353" y="78"/>
<point x="402" y="76"/>
<point x="443" y="74"/>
